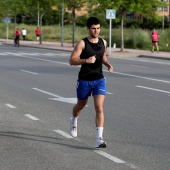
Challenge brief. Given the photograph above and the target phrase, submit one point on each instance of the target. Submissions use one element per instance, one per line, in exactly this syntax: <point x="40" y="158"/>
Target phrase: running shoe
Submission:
<point x="100" y="143"/>
<point x="73" y="128"/>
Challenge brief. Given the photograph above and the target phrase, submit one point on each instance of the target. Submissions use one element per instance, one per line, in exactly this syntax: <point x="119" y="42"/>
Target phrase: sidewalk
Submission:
<point x="115" y="52"/>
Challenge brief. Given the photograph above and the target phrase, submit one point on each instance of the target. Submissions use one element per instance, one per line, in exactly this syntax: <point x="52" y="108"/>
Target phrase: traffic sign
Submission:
<point x="7" y="20"/>
<point x="110" y="14"/>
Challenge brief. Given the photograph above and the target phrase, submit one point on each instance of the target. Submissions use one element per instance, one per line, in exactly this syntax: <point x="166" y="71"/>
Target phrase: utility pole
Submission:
<point x="38" y="19"/>
<point x="62" y="24"/>
<point x="163" y="18"/>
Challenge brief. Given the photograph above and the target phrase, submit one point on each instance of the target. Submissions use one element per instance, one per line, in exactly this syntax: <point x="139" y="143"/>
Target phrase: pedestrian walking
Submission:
<point x="155" y="38"/>
<point x="37" y="32"/>
<point x="90" y="53"/>
<point x="24" y="33"/>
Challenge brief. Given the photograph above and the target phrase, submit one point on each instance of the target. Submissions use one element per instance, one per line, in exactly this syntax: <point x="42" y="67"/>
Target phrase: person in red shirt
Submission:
<point x="155" y="37"/>
<point x="37" y="32"/>
<point x="17" y="35"/>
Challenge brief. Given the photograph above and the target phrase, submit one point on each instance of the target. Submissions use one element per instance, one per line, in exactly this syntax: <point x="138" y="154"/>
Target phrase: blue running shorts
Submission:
<point x="88" y="88"/>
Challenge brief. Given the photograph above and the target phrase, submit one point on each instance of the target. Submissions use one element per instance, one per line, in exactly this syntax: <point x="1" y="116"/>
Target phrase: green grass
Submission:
<point x="133" y="38"/>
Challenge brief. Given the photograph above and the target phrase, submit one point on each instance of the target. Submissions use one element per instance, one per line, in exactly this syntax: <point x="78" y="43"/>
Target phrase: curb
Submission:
<point x="145" y="56"/>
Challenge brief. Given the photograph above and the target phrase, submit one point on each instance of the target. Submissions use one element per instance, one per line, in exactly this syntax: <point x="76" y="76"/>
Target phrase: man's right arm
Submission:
<point x="75" y="56"/>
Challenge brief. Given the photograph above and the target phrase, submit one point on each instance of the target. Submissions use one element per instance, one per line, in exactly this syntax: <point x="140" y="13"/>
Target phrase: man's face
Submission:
<point x="94" y="30"/>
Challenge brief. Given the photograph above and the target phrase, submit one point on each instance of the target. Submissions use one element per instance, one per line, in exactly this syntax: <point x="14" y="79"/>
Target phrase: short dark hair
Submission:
<point x="92" y="21"/>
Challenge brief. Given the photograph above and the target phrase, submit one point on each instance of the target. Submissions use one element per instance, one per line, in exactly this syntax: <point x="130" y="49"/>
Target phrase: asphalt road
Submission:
<point x="37" y="93"/>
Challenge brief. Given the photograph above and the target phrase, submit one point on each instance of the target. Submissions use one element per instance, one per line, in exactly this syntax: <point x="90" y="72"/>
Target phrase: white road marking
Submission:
<point x="147" y="78"/>
<point x="11" y="106"/>
<point x="144" y="60"/>
<point x="31" y="117"/>
<point x="28" y="72"/>
<point x="28" y="53"/>
<point x="66" y="100"/>
<point x="153" y="89"/>
<point x="138" y="66"/>
<point x="35" y="58"/>
<point x="112" y="158"/>
<point x="58" y="98"/>
<point x="63" y="134"/>
<point x="51" y="94"/>
<point x="11" y="53"/>
<point x="109" y="93"/>
<point x="100" y="152"/>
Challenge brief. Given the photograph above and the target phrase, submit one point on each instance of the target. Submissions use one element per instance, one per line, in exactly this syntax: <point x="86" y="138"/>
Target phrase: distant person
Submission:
<point x="17" y="35"/>
<point x="24" y="33"/>
<point x="155" y="37"/>
<point x="37" y="32"/>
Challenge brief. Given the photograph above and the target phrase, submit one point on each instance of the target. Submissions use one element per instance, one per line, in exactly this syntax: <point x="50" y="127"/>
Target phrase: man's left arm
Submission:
<point x="105" y="60"/>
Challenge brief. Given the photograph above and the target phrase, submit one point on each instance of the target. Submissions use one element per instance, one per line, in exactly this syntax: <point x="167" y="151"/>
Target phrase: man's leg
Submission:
<point x="98" y="103"/>
<point x="157" y="48"/>
<point x="153" y="44"/>
<point x="76" y="111"/>
<point x="78" y="107"/>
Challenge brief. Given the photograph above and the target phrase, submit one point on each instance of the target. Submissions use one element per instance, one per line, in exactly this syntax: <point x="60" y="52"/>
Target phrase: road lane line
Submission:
<point x="35" y="58"/>
<point x="28" y="72"/>
<point x="137" y="66"/>
<point x="11" y="106"/>
<point x="112" y="158"/>
<point x="109" y="93"/>
<point x="45" y="92"/>
<point x="153" y="89"/>
<point x="147" y="78"/>
<point x="31" y="117"/>
<point x="142" y="60"/>
<point x="63" y="134"/>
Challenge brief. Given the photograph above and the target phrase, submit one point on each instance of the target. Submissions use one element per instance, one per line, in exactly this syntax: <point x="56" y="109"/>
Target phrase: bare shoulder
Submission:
<point x="105" y="43"/>
<point x="80" y="45"/>
<point x="78" y="49"/>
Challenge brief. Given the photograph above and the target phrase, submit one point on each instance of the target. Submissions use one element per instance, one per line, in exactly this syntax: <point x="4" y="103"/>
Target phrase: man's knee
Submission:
<point x="99" y="109"/>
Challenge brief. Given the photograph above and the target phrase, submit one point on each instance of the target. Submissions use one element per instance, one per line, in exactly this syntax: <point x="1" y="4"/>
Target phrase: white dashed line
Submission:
<point x="31" y="117"/>
<point x="109" y="93"/>
<point x="11" y="106"/>
<point x="138" y="66"/>
<point x="153" y="89"/>
<point x="141" y="77"/>
<point x="147" y="78"/>
<point x="28" y="72"/>
<point x="112" y="158"/>
<point x="63" y="134"/>
<point x="51" y="94"/>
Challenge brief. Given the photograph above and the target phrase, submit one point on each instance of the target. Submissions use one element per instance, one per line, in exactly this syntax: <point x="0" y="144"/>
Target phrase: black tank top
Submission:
<point x="92" y="71"/>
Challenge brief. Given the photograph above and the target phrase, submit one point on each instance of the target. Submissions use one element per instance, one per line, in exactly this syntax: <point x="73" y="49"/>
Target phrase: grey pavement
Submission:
<point x="115" y="52"/>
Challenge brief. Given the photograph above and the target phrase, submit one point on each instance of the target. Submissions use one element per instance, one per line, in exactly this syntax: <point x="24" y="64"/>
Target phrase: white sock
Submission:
<point x="74" y="120"/>
<point x="99" y="131"/>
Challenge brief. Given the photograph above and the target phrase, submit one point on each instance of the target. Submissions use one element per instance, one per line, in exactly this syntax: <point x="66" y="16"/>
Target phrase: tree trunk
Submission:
<point x="122" y="36"/>
<point x="41" y="16"/>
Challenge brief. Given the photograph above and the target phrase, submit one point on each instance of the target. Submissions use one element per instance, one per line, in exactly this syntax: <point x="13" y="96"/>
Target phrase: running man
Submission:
<point x="90" y="53"/>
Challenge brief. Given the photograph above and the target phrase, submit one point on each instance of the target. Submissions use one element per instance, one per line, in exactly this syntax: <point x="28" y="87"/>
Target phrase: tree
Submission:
<point x="41" y="7"/>
<point x="144" y="7"/>
<point x="11" y="8"/>
<point x="74" y="4"/>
